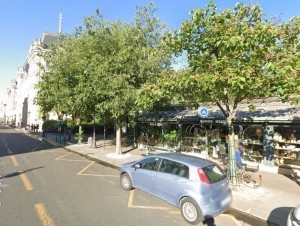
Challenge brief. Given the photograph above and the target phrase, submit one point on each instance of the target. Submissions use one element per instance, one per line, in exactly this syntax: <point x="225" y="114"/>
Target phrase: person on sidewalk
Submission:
<point x="239" y="153"/>
<point x="69" y="134"/>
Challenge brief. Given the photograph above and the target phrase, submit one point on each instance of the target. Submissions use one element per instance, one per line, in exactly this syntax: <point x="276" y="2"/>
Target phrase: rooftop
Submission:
<point x="48" y="38"/>
<point x="265" y="110"/>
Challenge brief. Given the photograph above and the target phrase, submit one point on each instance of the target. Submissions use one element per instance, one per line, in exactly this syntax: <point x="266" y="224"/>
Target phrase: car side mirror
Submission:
<point x="137" y="166"/>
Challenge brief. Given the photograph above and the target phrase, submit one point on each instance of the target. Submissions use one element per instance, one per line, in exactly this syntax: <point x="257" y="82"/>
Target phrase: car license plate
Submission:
<point x="226" y="201"/>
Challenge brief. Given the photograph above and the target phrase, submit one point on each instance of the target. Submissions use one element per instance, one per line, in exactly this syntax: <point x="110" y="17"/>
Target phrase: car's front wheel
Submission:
<point x="126" y="182"/>
<point x="191" y="211"/>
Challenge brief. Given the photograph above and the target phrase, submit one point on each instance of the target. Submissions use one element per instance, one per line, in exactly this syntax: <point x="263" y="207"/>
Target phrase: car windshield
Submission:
<point x="214" y="173"/>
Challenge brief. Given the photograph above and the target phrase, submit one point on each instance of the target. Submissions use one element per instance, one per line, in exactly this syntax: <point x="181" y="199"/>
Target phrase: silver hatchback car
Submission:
<point x="197" y="186"/>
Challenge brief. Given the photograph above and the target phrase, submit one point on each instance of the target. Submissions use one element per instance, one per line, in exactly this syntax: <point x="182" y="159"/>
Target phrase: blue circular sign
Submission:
<point x="203" y="112"/>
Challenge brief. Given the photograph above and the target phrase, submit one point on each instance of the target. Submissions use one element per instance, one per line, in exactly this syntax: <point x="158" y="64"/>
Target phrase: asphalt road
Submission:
<point x="44" y="185"/>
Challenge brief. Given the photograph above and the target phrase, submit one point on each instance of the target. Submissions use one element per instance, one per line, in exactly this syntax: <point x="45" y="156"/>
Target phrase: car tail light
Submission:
<point x="203" y="176"/>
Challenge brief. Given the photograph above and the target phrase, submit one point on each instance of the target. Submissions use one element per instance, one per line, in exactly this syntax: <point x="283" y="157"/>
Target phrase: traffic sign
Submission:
<point x="203" y="112"/>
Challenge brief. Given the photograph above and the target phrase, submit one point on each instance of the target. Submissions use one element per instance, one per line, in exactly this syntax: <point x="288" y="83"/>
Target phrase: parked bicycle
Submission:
<point x="248" y="175"/>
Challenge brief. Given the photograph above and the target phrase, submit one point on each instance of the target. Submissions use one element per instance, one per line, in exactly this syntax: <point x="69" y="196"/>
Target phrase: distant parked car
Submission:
<point x="197" y="186"/>
<point x="294" y="217"/>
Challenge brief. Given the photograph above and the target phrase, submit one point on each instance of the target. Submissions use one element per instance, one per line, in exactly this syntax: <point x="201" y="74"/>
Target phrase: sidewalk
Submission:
<point x="271" y="202"/>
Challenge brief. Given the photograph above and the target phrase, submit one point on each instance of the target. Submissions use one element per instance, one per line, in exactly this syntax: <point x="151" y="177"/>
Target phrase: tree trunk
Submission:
<point x="234" y="171"/>
<point x="118" y="138"/>
<point x="104" y="134"/>
<point x="58" y="116"/>
<point x="94" y="134"/>
<point x="79" y="132"/>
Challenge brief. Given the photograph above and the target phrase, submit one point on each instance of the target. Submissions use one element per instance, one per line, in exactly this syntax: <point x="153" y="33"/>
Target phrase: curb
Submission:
<point x="104" y="163"/>
<point x="249" y="218"/>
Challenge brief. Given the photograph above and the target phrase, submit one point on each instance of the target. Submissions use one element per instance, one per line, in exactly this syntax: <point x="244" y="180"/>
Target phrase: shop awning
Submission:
<point x="269" y="110"/>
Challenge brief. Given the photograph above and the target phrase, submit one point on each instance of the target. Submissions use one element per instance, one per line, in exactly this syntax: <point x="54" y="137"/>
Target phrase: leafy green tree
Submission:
<point x="133" y="54"/>
<point x="68" y="85"/>
<point x="163" y="91"/>
<point x="100" y="68"/>
<point x="233" y="55"/>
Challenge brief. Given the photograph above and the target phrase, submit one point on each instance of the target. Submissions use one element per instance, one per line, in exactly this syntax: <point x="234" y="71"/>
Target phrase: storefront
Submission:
<point x="271" y="133"/>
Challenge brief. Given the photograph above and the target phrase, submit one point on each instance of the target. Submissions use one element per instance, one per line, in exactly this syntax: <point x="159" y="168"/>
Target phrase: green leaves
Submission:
<point x="239" y="50"/>
<point x="102" y="67"/>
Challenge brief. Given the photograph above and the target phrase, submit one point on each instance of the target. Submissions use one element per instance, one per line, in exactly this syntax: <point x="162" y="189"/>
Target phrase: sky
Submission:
<point x="22" y="22"/>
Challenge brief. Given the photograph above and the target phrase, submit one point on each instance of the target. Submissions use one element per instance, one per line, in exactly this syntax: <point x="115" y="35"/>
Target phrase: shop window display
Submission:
<point x="286" y="145"/>
<point x="204" y="139"/>
<point x="253" y="141"/>
<point x="157" y="136"/>
<point x="195" y="138"/>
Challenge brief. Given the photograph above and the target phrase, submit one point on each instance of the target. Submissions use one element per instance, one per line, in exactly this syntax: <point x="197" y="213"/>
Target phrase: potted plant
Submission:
<point x="171" y="138"/>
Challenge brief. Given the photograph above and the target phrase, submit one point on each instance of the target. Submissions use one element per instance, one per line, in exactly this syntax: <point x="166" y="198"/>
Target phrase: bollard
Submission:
<point x="90" y="141"/>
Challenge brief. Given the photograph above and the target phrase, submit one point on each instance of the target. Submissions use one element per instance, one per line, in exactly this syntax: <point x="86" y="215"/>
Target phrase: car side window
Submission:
<point x="175" y="168"/>
<point x="149" y="163"/>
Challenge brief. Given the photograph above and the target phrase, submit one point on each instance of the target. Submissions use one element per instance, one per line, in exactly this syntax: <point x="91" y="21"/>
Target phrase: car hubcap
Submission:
<point x="189" y="211"/>
<point x="125" y="182"/>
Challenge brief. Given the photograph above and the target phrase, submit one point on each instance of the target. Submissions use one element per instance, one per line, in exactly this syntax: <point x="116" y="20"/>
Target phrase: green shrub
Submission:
<point x="71" y="124"/>
<point x="50" y="126"/>
<point x="88" y="128"/>
<point x="172" y="136"/>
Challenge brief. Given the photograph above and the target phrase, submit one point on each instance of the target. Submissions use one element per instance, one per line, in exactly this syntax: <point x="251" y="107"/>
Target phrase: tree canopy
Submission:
<point x="237" y="54"/>
<point x="101" y="67"/>
<point x="233" y="55"/>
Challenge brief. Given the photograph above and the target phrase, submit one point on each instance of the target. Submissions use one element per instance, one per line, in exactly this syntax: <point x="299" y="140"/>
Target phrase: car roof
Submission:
<point x="189" y="160"/>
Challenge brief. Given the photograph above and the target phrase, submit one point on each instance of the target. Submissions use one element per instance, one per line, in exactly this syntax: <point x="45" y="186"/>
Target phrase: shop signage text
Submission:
<point x="212" y="121"/>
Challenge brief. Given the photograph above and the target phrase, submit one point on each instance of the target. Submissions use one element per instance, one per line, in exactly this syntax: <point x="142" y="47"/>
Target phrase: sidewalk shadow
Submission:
<point x="294" y="178"/>
<point x="279" y="216"/>
<point x="21" y="143"/>
<point x="20" y="172"/>
<point x="129" y="150"/>
<point x="209" y="222"/>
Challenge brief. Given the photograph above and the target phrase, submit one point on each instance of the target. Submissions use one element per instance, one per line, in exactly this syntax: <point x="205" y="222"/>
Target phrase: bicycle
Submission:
<point x="248" y="175"/>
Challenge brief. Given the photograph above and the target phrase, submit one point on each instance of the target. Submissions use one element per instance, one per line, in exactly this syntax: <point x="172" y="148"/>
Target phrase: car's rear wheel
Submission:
<point x="191" y="211"/>
<point x="126" y="182"/>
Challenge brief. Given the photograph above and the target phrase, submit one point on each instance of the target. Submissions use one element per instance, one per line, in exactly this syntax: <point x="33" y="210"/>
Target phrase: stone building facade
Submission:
<point x="21" y="109"/>
<point x="11" y="103"/>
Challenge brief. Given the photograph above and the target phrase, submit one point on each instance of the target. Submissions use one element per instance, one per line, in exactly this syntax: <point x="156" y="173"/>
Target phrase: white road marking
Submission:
<point x="4" y="185"/>
<point x="35" y="148"/>
<point x="9" y="151"/>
